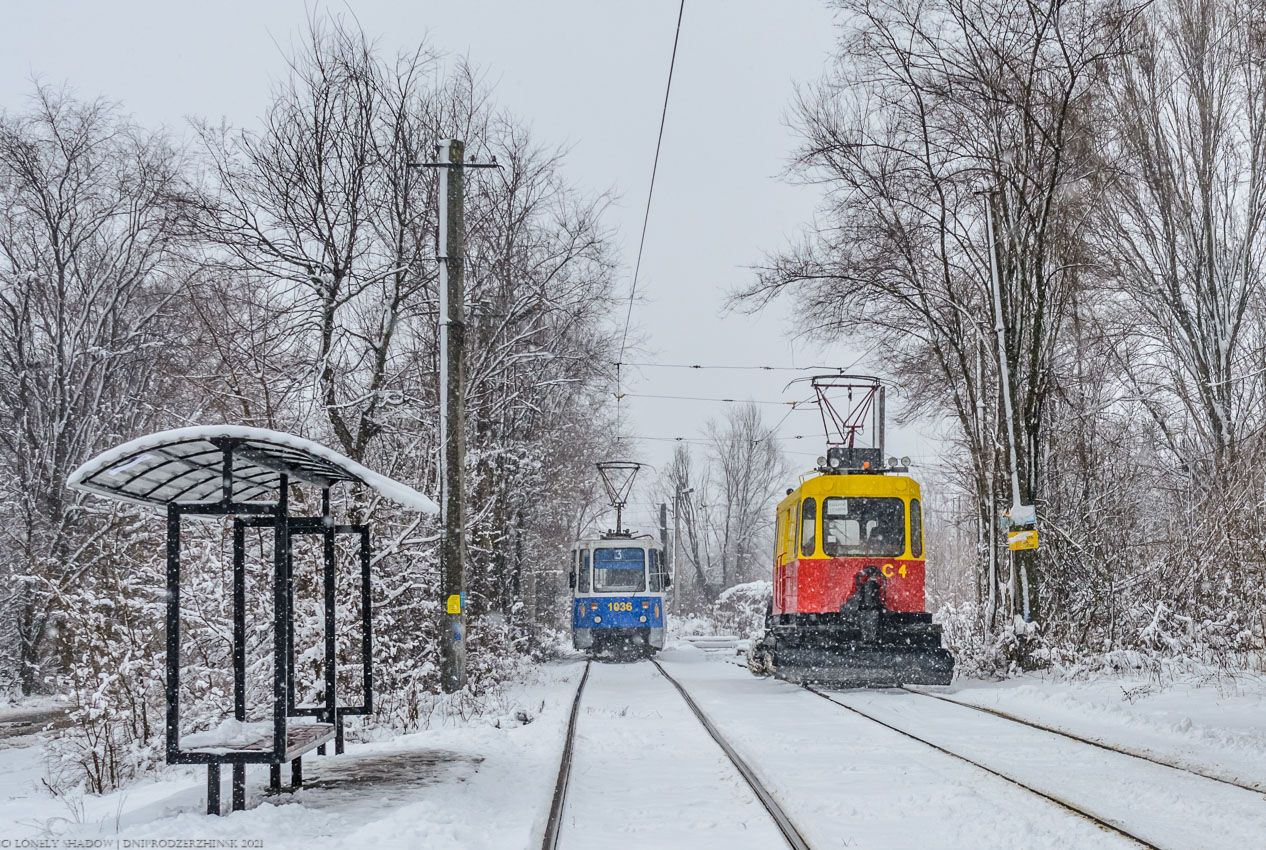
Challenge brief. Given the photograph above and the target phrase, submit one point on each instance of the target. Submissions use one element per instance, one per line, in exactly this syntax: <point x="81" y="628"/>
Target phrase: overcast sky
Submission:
<point x="586" y="73"/>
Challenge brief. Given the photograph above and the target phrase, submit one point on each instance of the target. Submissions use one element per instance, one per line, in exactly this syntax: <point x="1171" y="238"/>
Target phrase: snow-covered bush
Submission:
<point x="741" y="609"/>
<point x="110" y="640"/>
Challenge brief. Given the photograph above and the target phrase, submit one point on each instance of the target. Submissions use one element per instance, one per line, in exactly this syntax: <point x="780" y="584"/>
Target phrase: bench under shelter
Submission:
<point x="246" y="474"/>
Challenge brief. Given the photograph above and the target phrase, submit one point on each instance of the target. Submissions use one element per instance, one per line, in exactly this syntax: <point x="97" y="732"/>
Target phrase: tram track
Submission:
<point x="1101" y="822"/>
<point x="559" y="803"/>
<point x="1256" y="789"/>
<point x="553" y="825"/>
<point x="929" y="727"/>
<point x="784" y="823"/>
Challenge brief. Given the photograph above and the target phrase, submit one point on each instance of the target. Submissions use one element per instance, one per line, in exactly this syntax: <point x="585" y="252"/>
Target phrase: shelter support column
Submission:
<point x="239" y="620"/>
<point x="173" y="633"/>
<point x="331" y="646"/>
<point x="213" y="788"/>
<point x="281" y="616"/>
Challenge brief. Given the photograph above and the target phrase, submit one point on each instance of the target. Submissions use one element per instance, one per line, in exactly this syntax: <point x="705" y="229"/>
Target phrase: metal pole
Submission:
<point x="239" y="619"/>
<point x="173" y="632"/>
<point x="281" y="617"/>
<point x="366" y="623"/>
<point x="1004" y="375"/>
<point x="331" y="645"/>
<point x="879" y="425"/>
<point x="452" y="419"/>
<point x="1004" y="370"/>
<point x="676" y="545"/>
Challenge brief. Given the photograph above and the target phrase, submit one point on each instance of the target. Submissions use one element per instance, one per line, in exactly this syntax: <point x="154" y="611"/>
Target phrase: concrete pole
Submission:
<point x="452" y="419"/>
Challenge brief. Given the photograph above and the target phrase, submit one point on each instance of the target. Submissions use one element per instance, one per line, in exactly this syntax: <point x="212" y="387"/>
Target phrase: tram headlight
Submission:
<point x="642" y="619"/>
<point x="821" y="461"/>
<point x="905" y="461"/>
<point x="892" y="461"/>
<point x="834" y="463"/>
<point x="597" y="619"/>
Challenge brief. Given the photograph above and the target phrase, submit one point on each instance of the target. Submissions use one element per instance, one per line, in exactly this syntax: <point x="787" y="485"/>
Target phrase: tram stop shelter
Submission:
<point x="246" y="474"/>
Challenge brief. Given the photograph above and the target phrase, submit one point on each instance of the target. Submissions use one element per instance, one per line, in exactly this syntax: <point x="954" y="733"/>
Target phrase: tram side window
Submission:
<point x="863" y="525"/>
<point x="808" y="525"/>
<point x="916" y="529"/>
<point x="582" y="586"/>
<point x="657" y="570"/>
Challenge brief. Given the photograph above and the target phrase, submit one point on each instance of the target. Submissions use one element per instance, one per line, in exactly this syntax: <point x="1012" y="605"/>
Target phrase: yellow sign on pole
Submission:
<point x="455" y="604"/>
<point x="1021" y="540"/>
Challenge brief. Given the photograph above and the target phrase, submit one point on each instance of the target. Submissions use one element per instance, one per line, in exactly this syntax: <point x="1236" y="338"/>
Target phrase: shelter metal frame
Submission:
<point x="239" y="465"/>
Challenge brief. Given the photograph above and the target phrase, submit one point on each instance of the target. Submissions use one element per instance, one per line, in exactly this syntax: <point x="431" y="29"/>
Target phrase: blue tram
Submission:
<point x="618" y="584"/>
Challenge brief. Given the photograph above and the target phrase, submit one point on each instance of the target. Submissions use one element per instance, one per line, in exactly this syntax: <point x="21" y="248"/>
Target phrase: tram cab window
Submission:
<point x="916" y="529"/>
<point x="657" y="571"/>
<point x="619" y="570"/>
<point x="808" y="525"/>
<point x="863" y="525"/>
<point x="582" y="585"/>
<point x="793" y="522"/>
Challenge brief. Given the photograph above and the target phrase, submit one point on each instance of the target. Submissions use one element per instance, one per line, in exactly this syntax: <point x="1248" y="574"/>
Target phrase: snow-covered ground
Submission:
<point x="1217" y="727"/>
<point x="1165" y="806"/>
<point x="847" y="782"/>
<point x="647" y="775"/>
<point x="486" y="784"/>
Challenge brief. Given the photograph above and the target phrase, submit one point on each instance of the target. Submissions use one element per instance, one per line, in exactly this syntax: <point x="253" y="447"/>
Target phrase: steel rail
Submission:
<point x="788" y="829"/>
<point x="553" y="826"/>
<point x="1103" y="824"/>
<point x="1100" y="744"/>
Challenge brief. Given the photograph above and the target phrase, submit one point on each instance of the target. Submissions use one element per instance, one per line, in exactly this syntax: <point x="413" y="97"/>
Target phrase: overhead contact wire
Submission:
<point x="646" y="217"/>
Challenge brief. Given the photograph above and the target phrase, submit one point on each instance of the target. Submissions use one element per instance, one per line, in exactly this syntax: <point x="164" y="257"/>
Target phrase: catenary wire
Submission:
<point x="732" y="368"/>
<point x="646" y="216"/>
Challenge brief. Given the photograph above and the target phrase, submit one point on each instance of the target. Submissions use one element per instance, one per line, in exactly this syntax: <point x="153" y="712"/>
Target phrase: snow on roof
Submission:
<point x="186" y="466"/>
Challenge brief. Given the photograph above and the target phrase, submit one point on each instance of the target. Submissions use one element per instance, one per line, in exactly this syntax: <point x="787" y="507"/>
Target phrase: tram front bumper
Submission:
<point x="616" y="637"/>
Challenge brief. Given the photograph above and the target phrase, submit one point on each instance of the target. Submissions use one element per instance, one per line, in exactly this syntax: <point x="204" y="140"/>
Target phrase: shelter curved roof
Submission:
<point x="187" y="466"/>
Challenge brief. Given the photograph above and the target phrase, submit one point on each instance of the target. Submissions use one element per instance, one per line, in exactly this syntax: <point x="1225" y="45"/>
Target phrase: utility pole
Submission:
<point x="663" y="525"/>
<point x="677" y="541"/>
<point x="452" y="384"/>
<point x="1004" y="376"/>
<point x="676" y="546"/>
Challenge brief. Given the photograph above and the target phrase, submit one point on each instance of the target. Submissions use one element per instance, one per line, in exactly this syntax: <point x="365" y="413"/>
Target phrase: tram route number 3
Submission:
<point x="619" y="606"/>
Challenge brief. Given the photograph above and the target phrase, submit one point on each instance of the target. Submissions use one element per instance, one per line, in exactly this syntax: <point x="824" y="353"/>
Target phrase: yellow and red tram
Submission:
<point x="848" y="605"/>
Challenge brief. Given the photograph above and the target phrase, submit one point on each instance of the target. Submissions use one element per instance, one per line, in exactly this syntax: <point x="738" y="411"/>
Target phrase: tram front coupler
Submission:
<point x="870" y="603"/>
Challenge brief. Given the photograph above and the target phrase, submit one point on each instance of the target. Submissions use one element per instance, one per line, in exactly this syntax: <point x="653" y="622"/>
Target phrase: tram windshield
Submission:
<point x="619" y="570"/>
<point x="863" y="525"/>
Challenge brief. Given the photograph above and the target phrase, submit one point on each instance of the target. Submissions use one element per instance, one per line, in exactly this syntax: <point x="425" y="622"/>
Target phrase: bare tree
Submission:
<point x="1182" y="230"/>
<point x="322" y="212"/>
<point x="727" y="520"/>
<point x="748" y="474"/>
<point x="91" y="215"/>
<point x="929" y="106"/>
